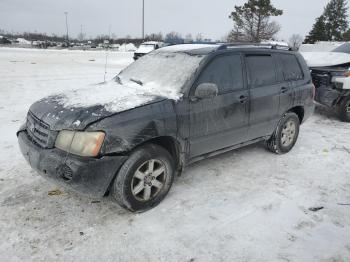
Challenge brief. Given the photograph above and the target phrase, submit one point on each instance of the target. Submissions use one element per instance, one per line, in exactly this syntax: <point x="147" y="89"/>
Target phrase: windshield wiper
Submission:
<point x="118" y="80"/>
<point x="139" y="82"/>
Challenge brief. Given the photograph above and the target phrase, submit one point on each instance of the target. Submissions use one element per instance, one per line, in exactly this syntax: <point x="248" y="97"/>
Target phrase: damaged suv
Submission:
<point x="330" y="72"/>
<point x="130" y="137"/>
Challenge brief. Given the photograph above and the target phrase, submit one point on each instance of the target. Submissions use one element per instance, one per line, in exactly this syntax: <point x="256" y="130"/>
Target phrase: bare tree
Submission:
<point x="173" y="37"/>
<point x="295" y="41"/>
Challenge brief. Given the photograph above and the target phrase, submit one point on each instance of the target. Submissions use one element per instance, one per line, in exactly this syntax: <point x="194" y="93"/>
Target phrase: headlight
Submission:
<point x="80" y="143"/>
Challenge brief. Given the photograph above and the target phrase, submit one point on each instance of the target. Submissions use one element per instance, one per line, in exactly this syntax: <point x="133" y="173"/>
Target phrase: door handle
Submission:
<point x="243" y="99"/>
<point x="284" y="90"/>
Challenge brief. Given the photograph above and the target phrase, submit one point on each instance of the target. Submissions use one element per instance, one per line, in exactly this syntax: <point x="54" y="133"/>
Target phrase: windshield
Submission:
<point x="162" y="73"/>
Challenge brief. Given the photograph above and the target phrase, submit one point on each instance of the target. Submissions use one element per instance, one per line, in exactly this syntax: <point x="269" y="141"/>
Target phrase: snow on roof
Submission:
<point x="187" y="47"/>
<point x="151" y="43"/>
<point x="280" y="43"/>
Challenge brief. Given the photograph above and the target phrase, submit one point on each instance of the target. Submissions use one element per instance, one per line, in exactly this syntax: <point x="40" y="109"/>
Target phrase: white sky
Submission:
<point x="185" y="16"/>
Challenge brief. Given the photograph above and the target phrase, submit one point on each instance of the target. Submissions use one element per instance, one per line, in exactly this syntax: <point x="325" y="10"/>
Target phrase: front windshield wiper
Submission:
<point x="139" y="82"/>
<point x="118" y="80"/>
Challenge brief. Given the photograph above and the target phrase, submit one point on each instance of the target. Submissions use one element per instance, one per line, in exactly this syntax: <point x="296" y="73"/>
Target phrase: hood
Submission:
<point x="323" y="59"/>
<point x="77" y="109"/>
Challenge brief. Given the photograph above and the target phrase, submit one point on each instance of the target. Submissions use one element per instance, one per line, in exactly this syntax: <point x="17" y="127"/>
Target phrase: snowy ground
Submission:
<point x="246" y="205"/>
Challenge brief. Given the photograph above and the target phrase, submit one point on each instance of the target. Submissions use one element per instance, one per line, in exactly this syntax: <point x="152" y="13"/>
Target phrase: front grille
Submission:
<point x="37" y="130"/>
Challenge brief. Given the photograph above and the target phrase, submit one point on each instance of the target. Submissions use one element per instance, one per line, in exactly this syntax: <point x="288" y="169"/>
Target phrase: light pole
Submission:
<point x="143" y="19"/>
<point x="66" y="13"/>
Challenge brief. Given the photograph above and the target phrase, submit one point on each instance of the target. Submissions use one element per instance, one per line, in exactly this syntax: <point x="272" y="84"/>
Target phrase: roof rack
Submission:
<point x="224" y="46"/>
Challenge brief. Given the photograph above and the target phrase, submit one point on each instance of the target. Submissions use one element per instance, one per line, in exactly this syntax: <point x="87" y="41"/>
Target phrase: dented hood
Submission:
<point x="323" y="59"/>
<point x="53" y="112"/>
<point x="50" y="111"/>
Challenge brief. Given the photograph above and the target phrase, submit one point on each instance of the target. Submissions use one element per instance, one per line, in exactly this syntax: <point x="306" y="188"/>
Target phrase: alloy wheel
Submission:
<point x="148" y="180"/>
<point x="288" y="133"/>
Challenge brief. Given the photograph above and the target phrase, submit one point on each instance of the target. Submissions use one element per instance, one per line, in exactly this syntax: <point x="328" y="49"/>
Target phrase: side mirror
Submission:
<point x="206" y="90"/>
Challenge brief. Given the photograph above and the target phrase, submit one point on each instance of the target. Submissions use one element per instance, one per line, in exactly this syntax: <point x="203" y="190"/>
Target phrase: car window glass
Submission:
<point x="225" y="72"/>
<point x="261" y="70"/>
<point x="291" y="68"/>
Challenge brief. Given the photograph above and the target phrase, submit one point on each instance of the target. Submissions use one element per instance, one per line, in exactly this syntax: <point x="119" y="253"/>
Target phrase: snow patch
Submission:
<point x="77" y="123"/>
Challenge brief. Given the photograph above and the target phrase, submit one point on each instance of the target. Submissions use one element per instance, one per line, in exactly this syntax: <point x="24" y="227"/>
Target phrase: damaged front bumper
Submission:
<point x="89" y="176"/>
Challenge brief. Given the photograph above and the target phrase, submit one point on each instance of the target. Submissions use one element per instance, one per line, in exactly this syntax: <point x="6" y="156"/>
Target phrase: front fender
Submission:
<point x="129" y="129"/>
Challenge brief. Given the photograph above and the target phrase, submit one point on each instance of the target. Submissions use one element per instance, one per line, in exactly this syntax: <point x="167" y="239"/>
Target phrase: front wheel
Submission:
<point x="144" y="179"/>
<point x="344" y="109"/>
<point x="285" y="135"/>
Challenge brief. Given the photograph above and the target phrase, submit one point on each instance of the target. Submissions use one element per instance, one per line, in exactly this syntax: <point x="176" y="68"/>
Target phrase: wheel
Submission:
<point x="285" y="135"/>
<point x="144" y="179"/>
<point x="344" y="109"/>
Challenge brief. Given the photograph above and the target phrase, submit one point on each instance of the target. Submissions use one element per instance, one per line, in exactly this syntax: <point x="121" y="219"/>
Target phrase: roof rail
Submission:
<point x="224" y="46"/>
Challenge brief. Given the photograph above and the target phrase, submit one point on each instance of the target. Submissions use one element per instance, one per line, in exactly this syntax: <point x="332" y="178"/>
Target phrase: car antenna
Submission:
<point x="107" y="46"/>
<point x="104" y="77"/>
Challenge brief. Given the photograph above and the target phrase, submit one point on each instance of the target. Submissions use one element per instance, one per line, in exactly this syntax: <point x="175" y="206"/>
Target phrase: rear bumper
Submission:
<point x="309" y="111"/>
<point x="89" y="176"/>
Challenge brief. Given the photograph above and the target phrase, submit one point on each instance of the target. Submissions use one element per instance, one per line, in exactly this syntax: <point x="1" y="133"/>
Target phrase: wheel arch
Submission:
<point x="169" y="143"/>
<point x="299" y="111"/>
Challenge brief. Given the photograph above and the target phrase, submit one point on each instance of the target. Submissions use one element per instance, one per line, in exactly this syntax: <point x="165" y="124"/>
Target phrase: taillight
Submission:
<point x="313" y="92"/>
<point x="347" y="74"/>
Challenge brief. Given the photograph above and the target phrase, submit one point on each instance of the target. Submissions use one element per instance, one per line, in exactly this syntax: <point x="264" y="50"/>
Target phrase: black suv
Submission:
<point x="130" y="137"/>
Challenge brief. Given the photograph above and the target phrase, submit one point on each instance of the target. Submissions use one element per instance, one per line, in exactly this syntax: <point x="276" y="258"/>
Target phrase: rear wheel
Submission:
<point x="144" y="179"/>
<point x="285" y="135"/>
<point x="344" y="109"/>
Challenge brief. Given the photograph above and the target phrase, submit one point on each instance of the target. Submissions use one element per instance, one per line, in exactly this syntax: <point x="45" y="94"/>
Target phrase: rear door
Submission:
<point x="293" y="76"/>
<point x="221" y="121"/>
<point x="265" y="92"/>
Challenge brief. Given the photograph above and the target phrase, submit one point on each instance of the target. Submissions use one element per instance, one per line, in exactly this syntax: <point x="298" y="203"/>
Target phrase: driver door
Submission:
<point x="220" y="121"/>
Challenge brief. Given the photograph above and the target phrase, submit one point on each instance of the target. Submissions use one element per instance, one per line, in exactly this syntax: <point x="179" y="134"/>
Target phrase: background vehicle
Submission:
<point x="146" y="48"/>
<point x="197" y="101"/>
<point x="330" y="64"/>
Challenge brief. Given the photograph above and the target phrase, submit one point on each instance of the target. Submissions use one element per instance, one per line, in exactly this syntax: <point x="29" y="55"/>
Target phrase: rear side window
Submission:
<point x="261" y="70"/>
<point x="291" y="68"/>
<point x="225" y="72"/>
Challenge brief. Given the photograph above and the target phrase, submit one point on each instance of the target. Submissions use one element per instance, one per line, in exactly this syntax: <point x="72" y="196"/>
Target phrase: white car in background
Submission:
<point x="329" y="63"/>
<point x="146" y="48"/>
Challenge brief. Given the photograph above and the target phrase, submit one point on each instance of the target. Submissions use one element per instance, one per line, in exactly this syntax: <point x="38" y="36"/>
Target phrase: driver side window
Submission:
<point x="225" y="71"/>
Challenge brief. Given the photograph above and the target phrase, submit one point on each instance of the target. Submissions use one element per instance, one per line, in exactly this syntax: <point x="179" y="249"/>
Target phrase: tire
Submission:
<point x="285" y="135"/>
<point x="344" y="109"/>
<point x="138" y="187"/>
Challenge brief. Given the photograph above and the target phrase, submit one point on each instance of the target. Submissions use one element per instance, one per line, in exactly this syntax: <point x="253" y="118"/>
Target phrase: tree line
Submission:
<point x="332" y="25"/>
<point x="252" y="23"/>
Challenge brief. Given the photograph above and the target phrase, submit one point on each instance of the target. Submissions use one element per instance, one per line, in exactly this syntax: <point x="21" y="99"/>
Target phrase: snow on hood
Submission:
<point x="320" y="59"/>
<point x="113" y="96"/>
<point x="76" y="109"/>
